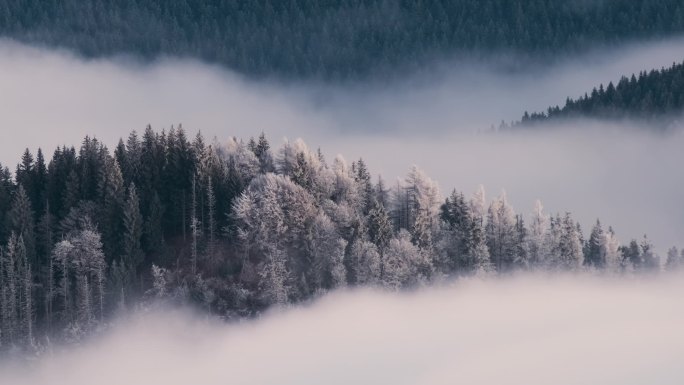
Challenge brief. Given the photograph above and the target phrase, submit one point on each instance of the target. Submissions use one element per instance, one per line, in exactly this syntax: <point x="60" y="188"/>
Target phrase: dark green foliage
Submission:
<point x="22" y="222"/>
<point x="6" y="191"/>
<point x="593" y="254"/>
<point x="457" y="218"/>
<point x="656" y="96"/>
<point x="334" y="39"/>
<point x="379" y="226"/>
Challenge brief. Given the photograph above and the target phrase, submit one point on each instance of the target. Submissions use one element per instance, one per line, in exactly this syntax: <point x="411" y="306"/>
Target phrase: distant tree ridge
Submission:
<point x="334" y="39"/>
<point x="655" y="96"/>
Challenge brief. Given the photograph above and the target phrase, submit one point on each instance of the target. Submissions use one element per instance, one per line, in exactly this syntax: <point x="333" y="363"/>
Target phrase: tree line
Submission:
<point x="236" y="227"/>
<point x="335" y="39"/>
<point x="655" y="96"/>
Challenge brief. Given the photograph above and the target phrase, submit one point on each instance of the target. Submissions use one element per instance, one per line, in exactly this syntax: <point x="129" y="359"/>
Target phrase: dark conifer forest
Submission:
<point x="328" y="39"/>
<point x="655" y="97"/>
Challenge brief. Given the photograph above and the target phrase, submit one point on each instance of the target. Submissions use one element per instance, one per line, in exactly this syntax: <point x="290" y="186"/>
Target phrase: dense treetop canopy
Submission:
<point x="334" y="39"/>
<point x="655" y="96"/>
<point x="237" y="227"/>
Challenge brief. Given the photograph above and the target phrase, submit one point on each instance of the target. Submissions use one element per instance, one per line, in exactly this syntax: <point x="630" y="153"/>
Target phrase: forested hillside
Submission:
<point x="335" y="39"/>
<point x="655" y="97"/>
<point x="236" y="227"/>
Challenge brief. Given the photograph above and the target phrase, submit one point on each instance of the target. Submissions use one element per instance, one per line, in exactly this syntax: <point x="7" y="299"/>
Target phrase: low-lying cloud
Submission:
<point x="628" y="179"/>
<point x="522" y="330"/>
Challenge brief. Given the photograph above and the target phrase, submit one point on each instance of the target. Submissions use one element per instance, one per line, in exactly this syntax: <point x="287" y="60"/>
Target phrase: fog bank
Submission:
<point x="628" y="179"/>
<point x="525" y="330"/>
<point x="53" y="97"/>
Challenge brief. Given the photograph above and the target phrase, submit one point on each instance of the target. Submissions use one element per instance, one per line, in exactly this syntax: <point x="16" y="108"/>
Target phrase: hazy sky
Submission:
<point x="630" y="180"/>
<point x="527" y="331"/>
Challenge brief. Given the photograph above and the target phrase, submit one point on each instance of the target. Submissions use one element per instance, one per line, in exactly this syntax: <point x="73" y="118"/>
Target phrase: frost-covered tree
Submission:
<point x="79" y="268"/>
<point x="522" y="252"/>
<point x="22" y="222"/>
<point x="651" y="261"/>
<point x="423" y="201"/>
<point x="345" y="189"/>
<point x="366" y="263"/>
<point x="11" y="289"/>
<point x="536" y="237"/>
<point x="239" y="160"/>
<point x="382" y="193"/>
<point x="326" y="250"/>
<point x="262" y="151"/>
<point x="273" y="216"/>
<point x="16" y="302"/>
<point x="365" y="188"/>
<point x="211" y="222"/>
<point x="569" y="251"/>
<point x="674" y="259"/>
<point x="478" y="250"/>
<point x="194" y="229"/>
<point x="305" y="168"/>
<point x="274" y="278"/>
<point x="501" y="234"/>
<point x="612" y="254"/>
<point x="478" y="204"/>
<point x="159" y="281"/>
<point x="404" y="264"/>
<point x="379" y="226"/>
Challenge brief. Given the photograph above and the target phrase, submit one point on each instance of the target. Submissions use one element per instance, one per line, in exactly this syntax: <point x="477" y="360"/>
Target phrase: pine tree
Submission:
<point x="153" y="236"/>
<point x="633" y="256"/>
<point x="112" y="195"/>
<point x="501" y="234"/>
<point x="38" y="193"/>
<point x="611" y="251"/>
<point x="674" y="260"/>
<point x="570" y="255"/>
<point x="539" y="227"/>
<point x="132" y="224"/>
<point x="595" y="256"/>
<point x="27" y="308"/>
<point x="21" y="216"/>
<point x="365" y="187"/>
<point x="379" y="226"/>
<point x="381" y="193"/>
<point x="11" y="290"/>
<point x="195" y="228"/>
<point x="522" y="255"/>
<point x="211" y="208"/>
<point x="456" y="216"/>
<point x="263" y="154"/>
<point x="72" y="193"/>
<point x="24" y="171"/>
<point x="651" y="262"/>
<point x="478" y="252"/>
<point x="61" y="272"/>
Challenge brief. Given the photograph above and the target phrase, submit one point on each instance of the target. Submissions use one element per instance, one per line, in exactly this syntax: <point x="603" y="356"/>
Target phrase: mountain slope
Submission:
<point x="334" y="39"/>
<point x="655" y="96"/>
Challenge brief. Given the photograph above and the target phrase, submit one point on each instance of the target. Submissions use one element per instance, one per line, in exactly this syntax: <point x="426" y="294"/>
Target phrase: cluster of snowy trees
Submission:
<point x="236" y="227"/>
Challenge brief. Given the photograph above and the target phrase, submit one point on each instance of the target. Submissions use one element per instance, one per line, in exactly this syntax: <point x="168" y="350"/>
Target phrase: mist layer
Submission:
<point x="524" y="330"/>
